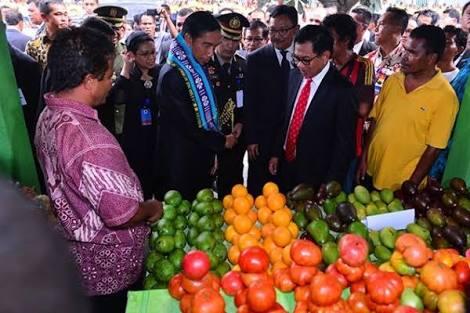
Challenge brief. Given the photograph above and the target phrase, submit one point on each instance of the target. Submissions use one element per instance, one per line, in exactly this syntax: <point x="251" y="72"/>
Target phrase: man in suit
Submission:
<point x="266" y="90"/>
<point x="317" y="141"/>
<point x="362" y="17"/>
<point x="15" y="24"/>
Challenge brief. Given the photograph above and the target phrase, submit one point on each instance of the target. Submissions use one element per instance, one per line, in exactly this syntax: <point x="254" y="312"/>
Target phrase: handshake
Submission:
<point x="232" y="139"/>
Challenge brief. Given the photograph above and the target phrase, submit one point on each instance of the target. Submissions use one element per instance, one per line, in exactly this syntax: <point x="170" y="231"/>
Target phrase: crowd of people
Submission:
<point x="120" y="113"/>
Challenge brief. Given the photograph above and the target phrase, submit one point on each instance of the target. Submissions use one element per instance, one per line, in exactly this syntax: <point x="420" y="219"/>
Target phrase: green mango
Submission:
<point x="352" y="198"/>
<point x="400" y="266"/>
<point x="411" y="299"/>
<point x="362" y="194"/>
<point x="329" y="206"/>
<point x="375" y="196"/>
<point x="371" y="209"/>
<point x="319" y="231"/>
<point x="388" y="236"/>
<point x="341" y="197"/>
<point x="358" y="228"/>
<point x="382" y="253"/>
<point x="386" y="195"/>
<point x="395" y="206"/>
<point x="419" y="231"/>
<point x="330" y="252"/>
<point x="374" y="237"/>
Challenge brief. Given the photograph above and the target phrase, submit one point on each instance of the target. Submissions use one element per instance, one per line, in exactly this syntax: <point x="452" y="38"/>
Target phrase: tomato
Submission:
<point x="325" y="289"/>
<point x="463" y="272"/>
<point x="208" y="300"/>
<point x="191" y="286"/>
<point x="358" y="303"/>
<point x="253" y="260"/>
<point x="409" y="281"/>
<point x="405" y="309"/>
<point x="331" y="269"/>
<point x="407" y="240"/>
<point x="212" y="281"/>
<point x="447" y="256"/>
<point x="384" y="287"/>
<point x="369" y="270"/>
<point x="185" y="303"/>
<point x="352" y="274"/>
<point x="417" y="255"/>
<point x="277" y="308"/>
<point x="243" y="309"/>
<point x="451" y="301"/>
<point x="195" y="264"/>
<point x="305" y="253"/>
<point x="301" y="307"/>
<point x="232" y="283"/>
<point x="248" y="279"/>
<point x="353" y="249"/>
<point x="240" y="297"/>
<point x="359" y="286"/>
<point x="261" y="296"/>
<point x="438" y="277"/>
<point x="302" y="294"/>
<point x="282" y="280"/>
<point x="302" y="275"/>
<point x="175" y="287"/>
<point x="387" y="308"/>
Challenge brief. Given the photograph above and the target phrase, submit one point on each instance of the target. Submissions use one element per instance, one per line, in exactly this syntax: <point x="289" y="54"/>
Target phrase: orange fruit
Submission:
<point x="239" y="191"/>
<point x="267" y="230"/>
<point x="255" y="232"/>
<point x="280" y="218"/>
<point x="242" y="224"/>
<point x="230" y="233"/>
<point x="294" y="229"/>
<point x="250" y="200"/>
<point x="253" y="215"/>
<point x="276" y="201"/>
<point x="236" y="239"/>
<point x="260" y="202"/>
<point x="288" y="212"/>
<point x="233" y="254"/>
<point x="275" y="255"/>
<point x="270" y="188"/>
<point x="228" y="201"/>
<point x="282" y="236"/>
<point x="241" y="205"/>
<point x="246" y="241"/>
<point x="268" y="244"/>
<point x="278" y="265"/>
<point x="264" y="215"/>
<point x="229" y="215"/>
<point x="286" y="255"/>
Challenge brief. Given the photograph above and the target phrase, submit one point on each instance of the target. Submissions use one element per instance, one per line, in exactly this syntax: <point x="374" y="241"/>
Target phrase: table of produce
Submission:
<point x="309" y="251"/>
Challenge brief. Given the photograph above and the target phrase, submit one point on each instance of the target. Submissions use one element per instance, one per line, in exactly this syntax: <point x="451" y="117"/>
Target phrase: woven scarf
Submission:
<point x="199" y="87"/>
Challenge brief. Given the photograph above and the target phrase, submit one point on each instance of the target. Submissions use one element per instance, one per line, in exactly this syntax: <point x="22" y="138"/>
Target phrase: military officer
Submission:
<point x="227" y="73"/>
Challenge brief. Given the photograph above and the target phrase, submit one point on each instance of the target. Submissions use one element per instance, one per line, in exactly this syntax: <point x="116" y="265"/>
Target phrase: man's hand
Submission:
<point x="273" y="166"/>
<point x="156" y="210"/>
<point x="253" y="151"/>
<point x="230" y="141"/>
<point x="237" y="130"/>
<point x="129" y="59"/>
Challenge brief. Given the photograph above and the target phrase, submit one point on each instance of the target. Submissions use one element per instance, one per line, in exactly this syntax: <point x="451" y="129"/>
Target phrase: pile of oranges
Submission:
<point x="264" y="222"/>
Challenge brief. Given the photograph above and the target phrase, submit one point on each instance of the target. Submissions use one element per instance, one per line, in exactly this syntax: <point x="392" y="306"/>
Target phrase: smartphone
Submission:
<point x="153" y="12"/>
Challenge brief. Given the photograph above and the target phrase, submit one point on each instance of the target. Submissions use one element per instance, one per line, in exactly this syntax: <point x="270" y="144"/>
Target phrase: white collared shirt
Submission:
<point x="290" y="52"/>
<point x="357" y="47"/>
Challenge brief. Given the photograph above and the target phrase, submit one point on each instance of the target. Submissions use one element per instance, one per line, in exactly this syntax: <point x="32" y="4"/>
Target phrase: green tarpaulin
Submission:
<point x="16" y="158"/>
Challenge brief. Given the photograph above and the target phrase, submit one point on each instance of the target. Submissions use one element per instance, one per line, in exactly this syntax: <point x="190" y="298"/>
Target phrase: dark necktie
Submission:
<point x="285" y="67"/>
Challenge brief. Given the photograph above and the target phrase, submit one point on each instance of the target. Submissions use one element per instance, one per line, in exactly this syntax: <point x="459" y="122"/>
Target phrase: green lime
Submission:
<point x="165" y="227"/>
<point x="222" y="269"/>
<point x="184" y="208"/>
<point x="217" y="206"/>
<point x="219" y="235"/>
<point x="164" y="270"/>
<point x="173" y="197"/>
<point x="193" y="219"/>
<point x="153" y="237"/>
<point x="204" y="208"/>
<point x="164" y="244"/>
<point x="152" y="258"/>
<point x="194" y="203"/>
<point x="205" y="195"/>
<point x="214" y="259"/>
<point x="176" y="257"/>
<point x="180" y="222"/>
<point x="205" y="223"/>
<point x="180" y="239"/>
<point x="193" y="233"/>
<point x="218" y="220"/>
<point x="205" y="241"/>
<point x="220" y="251"/>
<point x="169" y="212"/>
<point x="150" y="282"/>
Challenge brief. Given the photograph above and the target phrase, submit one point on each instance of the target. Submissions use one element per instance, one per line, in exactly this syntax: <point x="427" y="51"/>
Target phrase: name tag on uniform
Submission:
<point x="240" y="99"/>
<point x="145" y="117"/>
<point x="22" y="98"/>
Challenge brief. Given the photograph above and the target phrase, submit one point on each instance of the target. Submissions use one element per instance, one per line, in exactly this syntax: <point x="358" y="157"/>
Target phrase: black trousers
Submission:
<point x="230" y="171"/>
<point x="115" y="302"/>
<point x="258" y="172"/>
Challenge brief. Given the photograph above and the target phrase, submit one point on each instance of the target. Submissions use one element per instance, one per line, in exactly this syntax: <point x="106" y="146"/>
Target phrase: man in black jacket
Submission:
<point x="317" y="141"/>
<point x="266" y="90"/>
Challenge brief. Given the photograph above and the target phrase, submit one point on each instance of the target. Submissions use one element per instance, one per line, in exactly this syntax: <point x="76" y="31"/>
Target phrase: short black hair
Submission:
<point x="200" y="22"/>
<point x="429" y="13"/>
<point x="135" y="39"/>
<point x="433" y="36"/>
<point x="75" y="53"/>
<point x="460" y="35"/>
<point x="139" y="17"/>
<point x="344" y="26"/>
<point x="13" y="17"/>
<point x="35" y="2"/>
<point x="318" y="36"/>
<point x="45" y="5"/>
<point x="366" y="15"/>
<point x="453" y="13"/>
<point x="184" y="11"/>
<point x="257" y="24"/>
<point x="375" y="18"/>
<point x="286" y="10"/>
<point x="465" y="7"/>
<point x="399" y="18"/>
<point x="98" y="24"/>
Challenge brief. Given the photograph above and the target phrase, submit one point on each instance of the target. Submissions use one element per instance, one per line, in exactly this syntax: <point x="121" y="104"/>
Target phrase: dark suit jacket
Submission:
<point x="367" y="47"/>
<point x="326" y="142"/>
<point x="17" y="39"/>
<point x="264" y="98"/>
<point x="185" y="153"/>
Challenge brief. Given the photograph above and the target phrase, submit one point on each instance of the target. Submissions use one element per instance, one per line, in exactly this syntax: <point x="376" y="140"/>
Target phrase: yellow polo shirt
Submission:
<point x="406" y="123"/>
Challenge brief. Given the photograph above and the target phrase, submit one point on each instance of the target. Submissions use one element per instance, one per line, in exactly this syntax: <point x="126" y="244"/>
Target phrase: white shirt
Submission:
<point x="316" y="81"/>
<point x="357" y="47"/>
<point x="289" y="53"/>
<point x="451" y="75"/>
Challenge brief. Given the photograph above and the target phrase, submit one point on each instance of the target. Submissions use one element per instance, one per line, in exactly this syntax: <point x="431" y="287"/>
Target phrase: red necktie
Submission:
<point x="297" y="120"/>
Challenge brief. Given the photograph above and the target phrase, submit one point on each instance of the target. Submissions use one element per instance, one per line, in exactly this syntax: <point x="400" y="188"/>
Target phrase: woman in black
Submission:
<point x="134" y="98"/>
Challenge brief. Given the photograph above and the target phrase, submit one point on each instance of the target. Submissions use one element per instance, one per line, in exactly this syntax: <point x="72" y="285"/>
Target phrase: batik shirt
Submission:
<point x="93" y="191"/>
<point x="38" y="48"/>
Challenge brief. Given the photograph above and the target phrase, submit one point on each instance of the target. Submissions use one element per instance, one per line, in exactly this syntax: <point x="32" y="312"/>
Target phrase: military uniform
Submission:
<point x="229" y="83"/>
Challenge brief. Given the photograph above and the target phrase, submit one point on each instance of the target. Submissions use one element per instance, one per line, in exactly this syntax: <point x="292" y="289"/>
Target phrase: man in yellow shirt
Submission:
<point x="413" y="116"/>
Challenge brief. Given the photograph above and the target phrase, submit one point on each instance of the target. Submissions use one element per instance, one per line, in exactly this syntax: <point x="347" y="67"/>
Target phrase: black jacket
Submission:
<point x="367" y="47"/>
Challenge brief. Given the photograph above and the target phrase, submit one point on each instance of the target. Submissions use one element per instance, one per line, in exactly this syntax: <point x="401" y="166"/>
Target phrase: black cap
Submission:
<point x="232" y="24"/>
<point x="135" y="39"/>
<point x="111" y="14"/>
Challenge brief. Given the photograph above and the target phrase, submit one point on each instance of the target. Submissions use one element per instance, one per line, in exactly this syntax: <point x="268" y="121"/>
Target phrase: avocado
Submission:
<point x="455" y="236"/>
<point x="459" y="185"/>
<point x="341" y="197"/>
<point x="434" y="187"/>
<point x="422" y="202"/>
<point x="319" y="230"/>
<point x="346" y="212"/>
<point x="464" y="202"/>
<point x="424" y="222"/>
<point x="352" y="198"/>
<point x="371" y="209"/>
<point x="436" y="217"/>
<point x="312" y="211"/>
<point x="329" y="206"/>
<point x="381" y="206"/>
<point x="419" y="231"/>
<point x="409" y="189"/>
<point x="462" y="216"/>
<point x="303" y="193"/>
<point x="386" y="195"/>
<point x="358" y="228"/>
<point x="362" y="194"/>
<point x="298" y="206"/>
<point x="333" y="189"/>
<point x="449" y="199"/>
<point x="334" y="223"/>
<point x="395" y="205"/>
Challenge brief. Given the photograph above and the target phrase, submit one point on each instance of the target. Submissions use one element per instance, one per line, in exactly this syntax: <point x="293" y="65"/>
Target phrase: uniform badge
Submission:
<point x="234" y="23"/>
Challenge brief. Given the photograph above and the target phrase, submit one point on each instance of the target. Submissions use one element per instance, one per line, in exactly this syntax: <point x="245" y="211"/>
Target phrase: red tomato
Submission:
<point x="359" y="286"/>
<point x="212" y="281"/>
<point x="253" y="260"/>
<point x="331" y="269"/>
<point x="248" y="279"/>
<point x="191" y="286"/>
<point x="405" y="309"/>
<point x="438" y="277"/>
<point x="240" y="298"/>
<point x="243" y="309"/>
<point x="353" y="249"/>
<point x="351" y="273"/>
<point x="277" y="308"/>
<point x="302" y="294"/>
<point x="369" y="270"/>
<point x="302" y="275"/>
<point x="282" y="280"/>
<point x="358" y="303"/>
<point x="387" y="308"/>
<point x="175" y="287"/>
<point x="232" y="283"/>
<point x="301" y="307"/>
<point x="384" y="287"/>
<point x="261" y="296"/>
<point x="305" y="253"/>
<point x="207" y="300"/>
<point x="185" y="303"/>
<point x="463" y="272"/>
<point x="195" y="264"/>
<point x="325" y="289"/>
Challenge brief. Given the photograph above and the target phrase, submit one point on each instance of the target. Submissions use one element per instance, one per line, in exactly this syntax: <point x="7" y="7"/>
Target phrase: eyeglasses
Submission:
<point x="281" y="31"/>
<point x="305" y="61"/>
<point x="146" y="54"/>
<point x="255" y="39"/>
